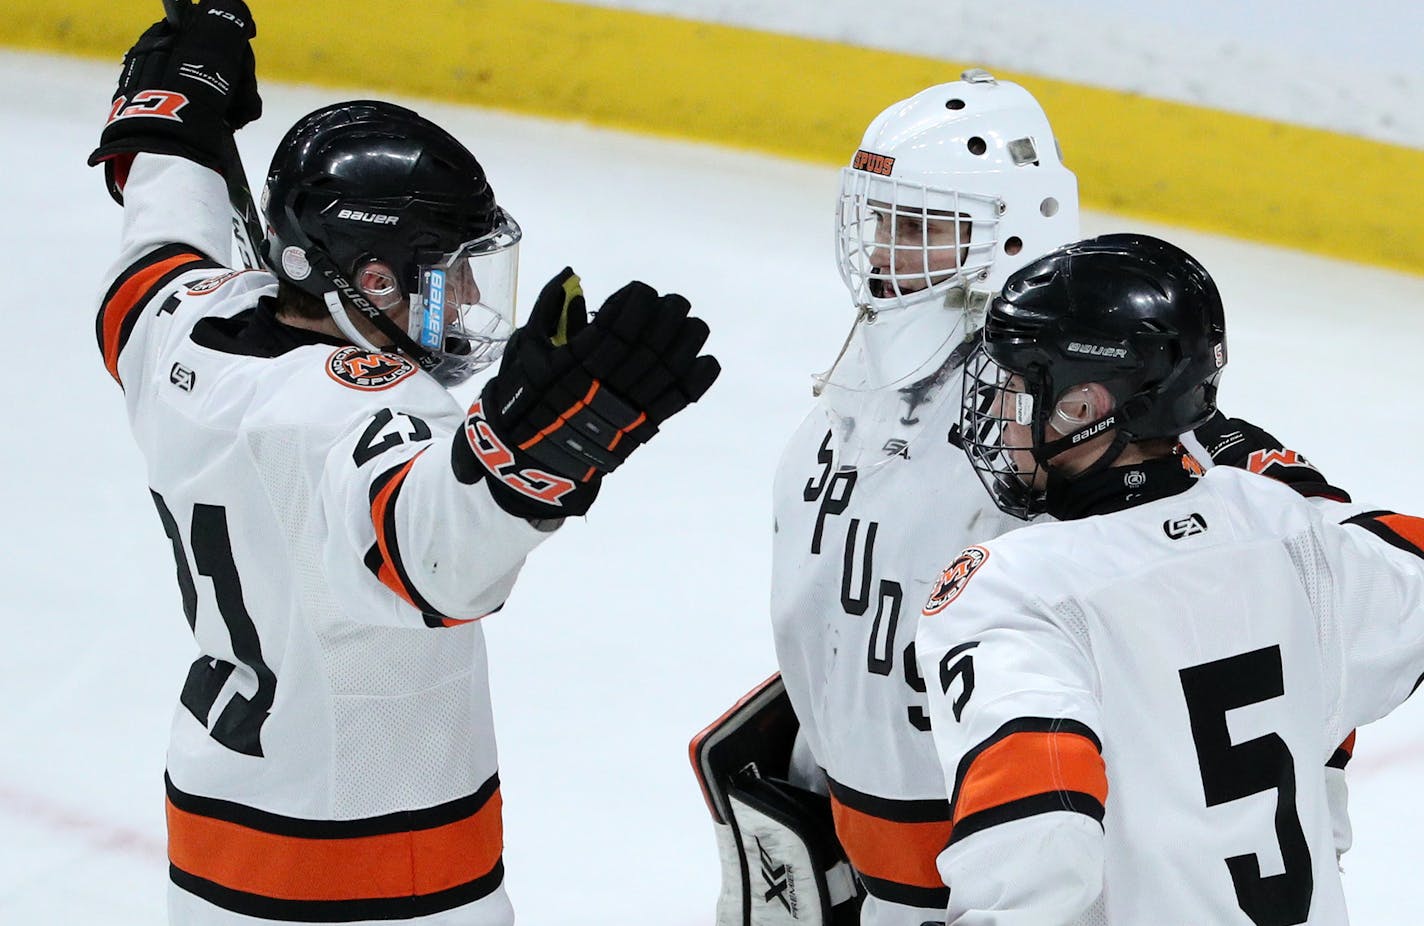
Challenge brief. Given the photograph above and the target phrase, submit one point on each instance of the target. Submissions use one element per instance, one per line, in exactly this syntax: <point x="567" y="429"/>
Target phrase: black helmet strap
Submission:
<point x="353" y="298"/>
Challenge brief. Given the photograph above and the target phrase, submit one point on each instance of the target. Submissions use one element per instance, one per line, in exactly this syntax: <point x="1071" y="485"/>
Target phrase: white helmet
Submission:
<point x="951" y="191"/>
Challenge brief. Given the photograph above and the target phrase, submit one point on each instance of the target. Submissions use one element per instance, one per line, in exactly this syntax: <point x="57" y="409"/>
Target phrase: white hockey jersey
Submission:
<point x="1133" y="711"/>
<point x="857" y="549"/>
<point x="333" y="755"/>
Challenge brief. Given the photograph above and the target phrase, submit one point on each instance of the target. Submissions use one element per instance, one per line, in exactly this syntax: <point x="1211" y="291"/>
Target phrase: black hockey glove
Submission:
<point x="183" y="91"/>
<point x="573" y="397"/>
<point x="1240" y="444"/>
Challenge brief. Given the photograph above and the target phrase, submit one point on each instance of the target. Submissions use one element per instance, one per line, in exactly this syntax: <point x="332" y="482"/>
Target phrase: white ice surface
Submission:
<point x="627" y="633"/>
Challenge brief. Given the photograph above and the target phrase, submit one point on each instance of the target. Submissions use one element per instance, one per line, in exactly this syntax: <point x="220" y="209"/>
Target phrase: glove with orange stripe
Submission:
<point x="184" y="90"/>
<point x="1242" y="445"/>
<point x="574" y="397"/>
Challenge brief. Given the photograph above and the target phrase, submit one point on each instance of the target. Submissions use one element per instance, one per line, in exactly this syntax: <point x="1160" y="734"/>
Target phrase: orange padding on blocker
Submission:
<point x="356" y="868"/>
<point x="1028" y="764"/>
<point x="889" y="850"/>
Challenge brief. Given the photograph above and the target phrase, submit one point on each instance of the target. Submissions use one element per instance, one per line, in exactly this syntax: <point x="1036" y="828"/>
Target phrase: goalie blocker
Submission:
<point x="781" y="862"/>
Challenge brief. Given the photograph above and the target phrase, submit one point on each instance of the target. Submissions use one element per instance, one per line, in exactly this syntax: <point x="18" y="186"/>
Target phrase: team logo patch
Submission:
<point x="881" y="164"/>
<point x="203" y="287"/>
<point x="368" y="370"/>
<point x="955" y="576"/>
<point x="182" y="377"/>
<point x="499" y="460"/>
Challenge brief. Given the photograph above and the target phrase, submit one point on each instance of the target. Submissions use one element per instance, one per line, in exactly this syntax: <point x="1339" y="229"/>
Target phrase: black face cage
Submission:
<point x="999" y="445"/>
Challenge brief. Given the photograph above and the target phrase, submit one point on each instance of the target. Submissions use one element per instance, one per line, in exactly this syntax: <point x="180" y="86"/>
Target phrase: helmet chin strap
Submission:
<point x="1058" y="481"/>
<point x="341" y="294"/>
<point x="343" y="321"/>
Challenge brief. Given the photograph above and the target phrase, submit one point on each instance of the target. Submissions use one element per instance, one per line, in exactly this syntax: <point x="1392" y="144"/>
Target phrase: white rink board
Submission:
<point x="1354" y="69"/>
<point x="628" y="632"/>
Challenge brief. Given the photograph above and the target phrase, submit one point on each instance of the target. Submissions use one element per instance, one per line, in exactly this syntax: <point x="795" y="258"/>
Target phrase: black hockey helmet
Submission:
<point x="1134" y="313"/>
<point x="366" y="180"/>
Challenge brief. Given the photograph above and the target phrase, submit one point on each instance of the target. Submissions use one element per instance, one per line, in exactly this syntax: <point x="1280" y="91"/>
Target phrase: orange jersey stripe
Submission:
<point x="1341" y="757"/>
<point x="387" y="573"/>
<point x="891" y="850"/>
<point x="299" y="868"/>
<point x="1409" y="528"/>
<point x="128" y="297"/>
<point x="1028" y="764"/>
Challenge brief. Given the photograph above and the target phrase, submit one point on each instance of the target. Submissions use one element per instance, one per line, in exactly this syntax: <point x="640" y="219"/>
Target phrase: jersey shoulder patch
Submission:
<point x="214" y="283"/>
<point x="367" y="371"/>
<point x="954" y="578"/>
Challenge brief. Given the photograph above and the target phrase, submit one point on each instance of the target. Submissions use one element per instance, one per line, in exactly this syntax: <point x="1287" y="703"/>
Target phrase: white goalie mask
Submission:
<point x="952" y="190"/>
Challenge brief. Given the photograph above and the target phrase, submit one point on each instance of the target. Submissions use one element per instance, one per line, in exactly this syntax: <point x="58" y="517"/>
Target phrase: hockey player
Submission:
<point x="338" y="522"/>
<point x="951" y="191"/>
<point x="1133" y="706"/>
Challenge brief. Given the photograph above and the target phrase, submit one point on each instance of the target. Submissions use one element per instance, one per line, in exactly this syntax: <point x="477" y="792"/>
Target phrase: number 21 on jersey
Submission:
<point x="239" y="725"/>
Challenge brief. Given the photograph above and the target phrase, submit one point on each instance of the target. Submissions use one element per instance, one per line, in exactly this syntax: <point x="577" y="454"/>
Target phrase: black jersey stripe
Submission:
<point x="383" y="825"/>
<point x="394" y="909"/>
<point x="1064" y="772"/>
<point x="909" y="895"/>
<point x="1377" y="523"/>
<point x="392" y="866"/>
<point x="892" y="843"/>
<point x="126" y="298"/>
<point x="931" y="810"/>
<point x="1343" y="753"/>
<point x="1074" y="801"/>
<point x="390" y="569"/>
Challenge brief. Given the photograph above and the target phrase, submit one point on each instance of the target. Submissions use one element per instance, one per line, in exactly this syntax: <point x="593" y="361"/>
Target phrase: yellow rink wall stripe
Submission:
<point x="807" y="99"/>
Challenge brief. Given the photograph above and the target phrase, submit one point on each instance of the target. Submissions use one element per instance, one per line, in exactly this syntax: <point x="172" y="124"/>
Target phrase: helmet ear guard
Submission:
<point x="379" y="284"/>
<point x="1065" y="421"/>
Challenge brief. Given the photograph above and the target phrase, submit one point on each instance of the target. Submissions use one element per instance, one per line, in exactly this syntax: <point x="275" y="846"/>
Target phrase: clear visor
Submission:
<point x="463" y="312"/>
